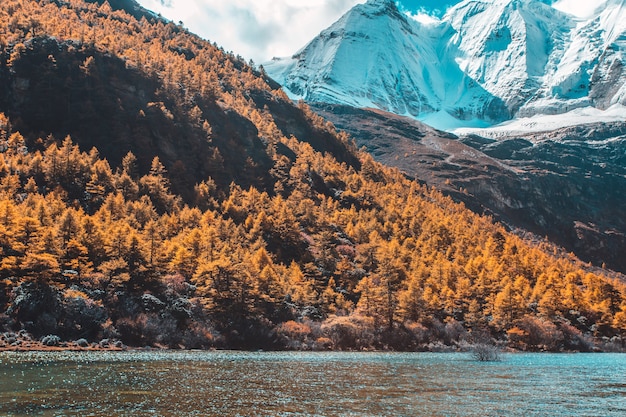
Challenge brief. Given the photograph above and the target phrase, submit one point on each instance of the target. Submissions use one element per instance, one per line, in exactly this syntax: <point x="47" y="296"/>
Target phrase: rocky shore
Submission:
<point x="23" y="341"/>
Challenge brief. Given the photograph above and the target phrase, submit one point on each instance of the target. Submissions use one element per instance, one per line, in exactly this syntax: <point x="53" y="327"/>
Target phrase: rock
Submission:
<point x="24" y="335"/>
<point x="82" y="343"/>
<point x="51" y="340"/>
<point x="152" y="303"/>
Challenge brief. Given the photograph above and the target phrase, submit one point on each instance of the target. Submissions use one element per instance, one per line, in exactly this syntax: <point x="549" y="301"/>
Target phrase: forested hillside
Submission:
<point x="159" y="191"/>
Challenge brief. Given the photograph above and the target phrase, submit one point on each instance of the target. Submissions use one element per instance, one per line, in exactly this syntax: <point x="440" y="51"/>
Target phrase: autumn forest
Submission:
<point x="157" y="190"/>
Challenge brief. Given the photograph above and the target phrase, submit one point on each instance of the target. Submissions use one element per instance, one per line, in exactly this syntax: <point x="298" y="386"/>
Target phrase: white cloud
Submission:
<point x="580" y="8"/>
<point x="424" y="18"/>
<point x="254" y="29"/>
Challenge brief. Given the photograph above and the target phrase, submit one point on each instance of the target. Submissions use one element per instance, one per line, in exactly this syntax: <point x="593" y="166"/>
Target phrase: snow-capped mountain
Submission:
<point x="506" y="45"/>
<point x="373" y="56"/>
<point x="608" y="75"/>
<point x="484" y="62"/>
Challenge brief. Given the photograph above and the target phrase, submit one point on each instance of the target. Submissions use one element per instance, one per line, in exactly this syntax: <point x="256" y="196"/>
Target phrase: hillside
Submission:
<point x="567" y="184"/>
<point x="158" y="191"/>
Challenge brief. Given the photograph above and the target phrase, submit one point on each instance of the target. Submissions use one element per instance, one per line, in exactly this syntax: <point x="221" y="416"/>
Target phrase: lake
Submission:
<point x="310" y="384"/>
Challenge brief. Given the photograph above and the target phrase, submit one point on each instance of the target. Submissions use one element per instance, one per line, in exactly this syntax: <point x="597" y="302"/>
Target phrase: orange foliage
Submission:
<point x="355" y="246"/>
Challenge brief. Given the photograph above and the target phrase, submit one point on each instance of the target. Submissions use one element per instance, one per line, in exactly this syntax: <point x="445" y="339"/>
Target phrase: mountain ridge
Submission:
<point x="482" y="63"/>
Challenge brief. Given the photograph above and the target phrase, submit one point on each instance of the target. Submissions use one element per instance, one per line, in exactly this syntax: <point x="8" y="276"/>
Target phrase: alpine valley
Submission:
<point x="511" y="106"/>
<point x="157" y="191"/>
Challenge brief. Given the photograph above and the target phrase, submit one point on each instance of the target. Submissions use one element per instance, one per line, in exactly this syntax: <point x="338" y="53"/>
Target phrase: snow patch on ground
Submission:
<point x="443" y="120"/>
<point x="545" y="123"/>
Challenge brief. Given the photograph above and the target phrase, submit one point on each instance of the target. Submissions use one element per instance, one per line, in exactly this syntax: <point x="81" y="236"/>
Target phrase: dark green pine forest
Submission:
<point x="156" y="190"/>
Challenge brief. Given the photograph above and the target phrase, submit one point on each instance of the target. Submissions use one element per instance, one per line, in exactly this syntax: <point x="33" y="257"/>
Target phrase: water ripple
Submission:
<point x="162" y="383"/>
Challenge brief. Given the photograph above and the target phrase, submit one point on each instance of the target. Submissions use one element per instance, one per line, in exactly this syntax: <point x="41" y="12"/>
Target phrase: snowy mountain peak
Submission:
<point x="485" y="62"/>
<point x="372" y="10"/>
<point x="380" y="5"/>
<point x="373" y="56"/>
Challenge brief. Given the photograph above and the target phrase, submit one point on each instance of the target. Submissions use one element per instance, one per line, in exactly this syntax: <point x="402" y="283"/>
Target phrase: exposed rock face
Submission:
<point x="568" y="185"/>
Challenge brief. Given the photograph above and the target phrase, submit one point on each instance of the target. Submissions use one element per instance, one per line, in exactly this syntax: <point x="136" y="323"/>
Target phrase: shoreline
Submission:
<point x="64" y="347"/>
<point x="24" y="342"/>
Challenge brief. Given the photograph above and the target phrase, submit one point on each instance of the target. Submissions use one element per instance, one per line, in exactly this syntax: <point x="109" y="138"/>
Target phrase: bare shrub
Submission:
<point x="176" y="284"/>
<point x="323" y="343"/>
<point x="420" y="332"/>
<point x="574" y="339"/>
<point x="531" y="333"/>
<point x="152" y="303"/>
<point x="349" y="332"/>
<point x="82" y="343"/>
<point x="485" y="352"/>
<point x="614" y="344"/>
<point x="453" y="331"/>
<point x="293" y="335"/>
<point x="482" y="346"/>
<point x="131" y="330"/>
<point x="201" y="336"/>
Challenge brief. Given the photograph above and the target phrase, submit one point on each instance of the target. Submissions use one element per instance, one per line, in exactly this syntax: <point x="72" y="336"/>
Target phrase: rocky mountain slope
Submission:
<point x="568" y="184"/>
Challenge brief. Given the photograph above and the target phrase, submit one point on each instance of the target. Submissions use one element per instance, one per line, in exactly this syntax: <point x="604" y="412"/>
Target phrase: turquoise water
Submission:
<point x="310" y="384"/>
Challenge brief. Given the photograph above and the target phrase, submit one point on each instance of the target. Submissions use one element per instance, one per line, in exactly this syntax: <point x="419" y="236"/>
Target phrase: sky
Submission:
<point x="263" y="29"/>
